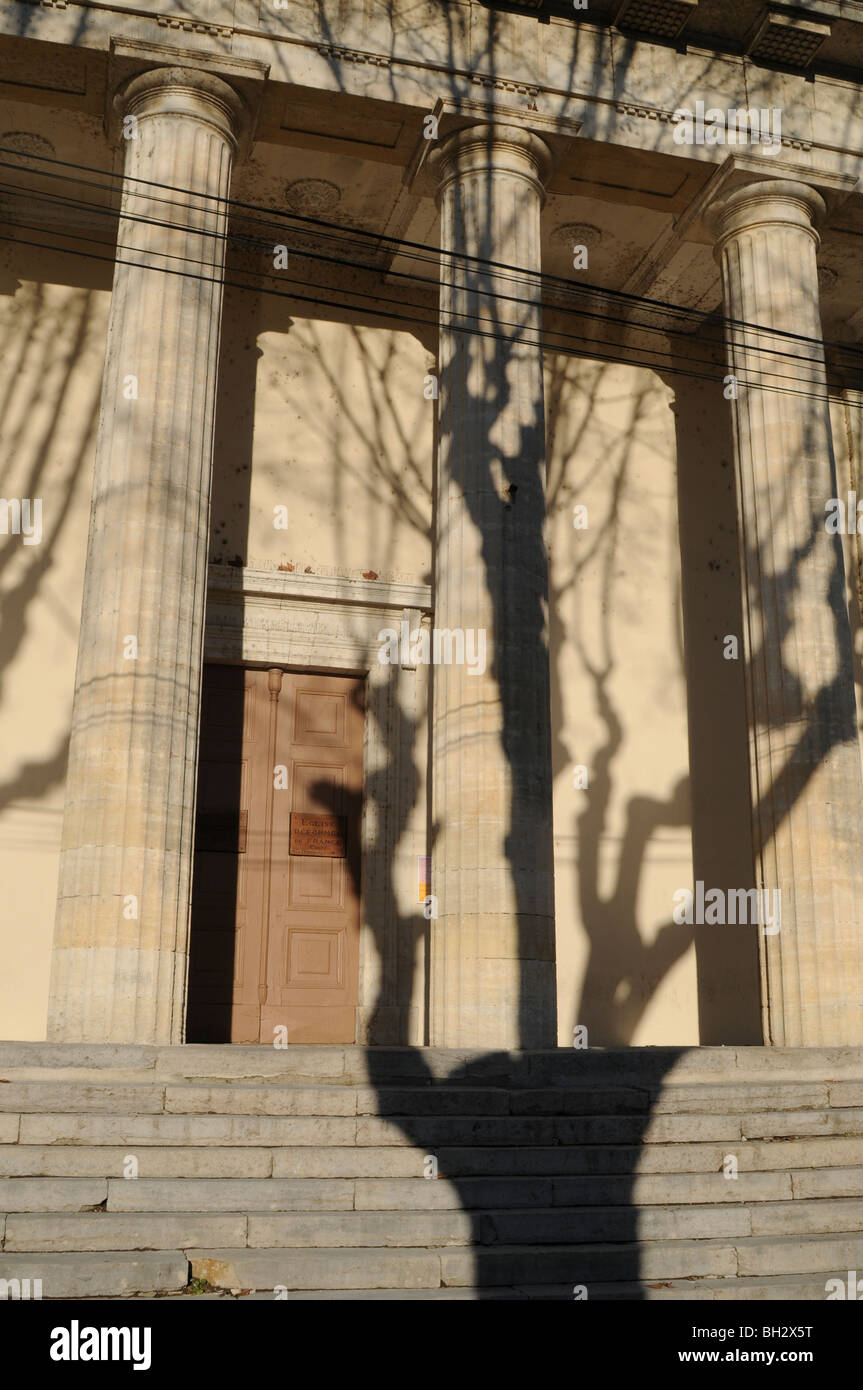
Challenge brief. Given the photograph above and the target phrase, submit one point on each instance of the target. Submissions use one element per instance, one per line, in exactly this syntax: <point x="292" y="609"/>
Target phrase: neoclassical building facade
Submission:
<point x="433" y="448"/>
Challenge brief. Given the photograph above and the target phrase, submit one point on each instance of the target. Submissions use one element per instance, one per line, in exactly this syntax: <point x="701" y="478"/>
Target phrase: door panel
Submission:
<point x="313" y="960"/>
<point x="276" y="898"/>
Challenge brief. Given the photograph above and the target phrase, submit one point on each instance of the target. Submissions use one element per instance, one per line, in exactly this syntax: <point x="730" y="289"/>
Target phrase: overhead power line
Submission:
<point x="474" y="324"/>
<point x="591" y="345"/>
<point x="432" y="254"/>
<point x="376" y="296"/>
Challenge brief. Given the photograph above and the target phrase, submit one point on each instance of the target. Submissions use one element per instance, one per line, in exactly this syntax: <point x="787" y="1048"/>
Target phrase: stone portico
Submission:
<point x="459" y="766"/>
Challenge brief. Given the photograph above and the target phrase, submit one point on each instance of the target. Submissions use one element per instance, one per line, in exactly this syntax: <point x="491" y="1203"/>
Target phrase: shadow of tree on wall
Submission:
<point x="565" y="1141"/>
<point x="514" y="1205"/>
<point x="611" y="925"/>
<point x="39" y="383"/>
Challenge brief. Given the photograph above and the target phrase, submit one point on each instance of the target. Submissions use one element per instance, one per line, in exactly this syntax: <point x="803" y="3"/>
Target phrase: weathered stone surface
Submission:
<point x="829" y="1182"/>
<point x="185" y="1129"/>
<point x="318" y="1269"/>
<point x="447" y="1130"/>
<point x="650" y="1067"/>
<point x="600" y="1159"/>
<point x="678" y="1188"/>
<point x="782" y="1289"/>
<point x="846" y="1093"/>
<point x="808" y="821"/>
<point x="520" y="1197"/>
<point x="128" y="822"/>
<point x="582" y="1263"/>
<point x="436" y="1194"/>
<point x="362" y="1229"/>
<point x="99" y="1275"/>
<point x="808" y="1218"/>
<point x="580" y="1100"/>
<point x="451" y="1131"/>
<point x="51" y="1194"/>
<point x="9" y="1128"/>
<point x="115" y="1231"/>
<point x="492" y="943"/>
<point x="572" y="1226"/>
<point x="791" y="1255"/>
<point x="738" y="1098"/>
<point x="99" y="1161"/>
<point x="240" y="1099"/>
<point x="799" y="1063"/>
<point x="347" y="1162"/>
<point x="93" y="1060"/>
<point x="844" y="1122"/>
<point x="797" y="1153"/>
<point x="230" y="1194"/>
<point x="35" y="1097"/>
<point x="431" y="1100"/>
<point x="232" y="1062"/>
<point x="687" y="1129"/>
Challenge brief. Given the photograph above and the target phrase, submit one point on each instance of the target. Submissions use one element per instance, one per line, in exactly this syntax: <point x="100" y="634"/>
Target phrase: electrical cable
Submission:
<point x="376" y="296"/>
<point x="433" y="254"/>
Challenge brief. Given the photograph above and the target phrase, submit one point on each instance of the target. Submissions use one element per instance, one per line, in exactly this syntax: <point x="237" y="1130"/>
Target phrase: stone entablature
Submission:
<point x="623" y="89"/>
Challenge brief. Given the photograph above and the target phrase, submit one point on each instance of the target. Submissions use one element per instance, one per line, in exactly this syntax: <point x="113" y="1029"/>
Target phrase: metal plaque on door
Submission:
<point x="324" y="837"/>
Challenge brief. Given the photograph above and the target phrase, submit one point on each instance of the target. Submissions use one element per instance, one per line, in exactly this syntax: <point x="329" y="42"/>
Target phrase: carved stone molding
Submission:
<point x="312" y="197"/>
<point x="193" y="26"/>
<point x="353" y="55"/>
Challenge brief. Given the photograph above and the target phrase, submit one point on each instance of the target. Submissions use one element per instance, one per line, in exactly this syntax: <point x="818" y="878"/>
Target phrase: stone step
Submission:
<point x="430" y="1133"/>
<point x="828" y="1182"/>
<point x="230" y="1194"/>
<point x="188" y="1130"/>
<point x="101" y="1161"/>
<point x="434" y="1229"/>
<point x="513" y="1265"/>
<point x="490" y="1161"/>
<point x="102" y="1275"/>
<point x="375" y="1131"/>
<point x="116" y="1232"/>
<point x="820" y="1167"/>
<point x="307" y="1169"/>
<point x="417" y="1194"/>
<point x="649" y="1066"/>
<point x="119" y="1231"/>
<point x="49" y="1096"/>
<point x="766" y="1195"/>
<point x="803" y="1217"/>
<point x="787" y="1288"/>
<point x="804" y="1122"/>
<point x="757" y="1288"/>
<point x="362" y="1268"/>
<point x="52" y="1194"/>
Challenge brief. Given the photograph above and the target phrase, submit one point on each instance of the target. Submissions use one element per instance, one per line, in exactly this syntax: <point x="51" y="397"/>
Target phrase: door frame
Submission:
<point x="329" y="625"/>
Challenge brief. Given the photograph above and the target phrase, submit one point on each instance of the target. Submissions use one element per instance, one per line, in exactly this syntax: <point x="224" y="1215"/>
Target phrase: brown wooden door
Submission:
<point x="276" y="897"/>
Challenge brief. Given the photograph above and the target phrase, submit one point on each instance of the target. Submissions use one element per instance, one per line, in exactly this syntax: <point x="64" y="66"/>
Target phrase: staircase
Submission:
<point x="341" y="1172"/>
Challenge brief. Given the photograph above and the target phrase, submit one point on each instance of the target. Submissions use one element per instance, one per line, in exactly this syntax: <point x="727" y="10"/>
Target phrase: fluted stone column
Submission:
<point x="121" y="936"/>
<point x="807" y="788"/>
<point x="492" y="943"/>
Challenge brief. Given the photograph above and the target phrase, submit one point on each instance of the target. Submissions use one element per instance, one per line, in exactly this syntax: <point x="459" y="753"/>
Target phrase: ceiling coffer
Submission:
<point x="789" y="39"/>
<point x="660" y="19"/>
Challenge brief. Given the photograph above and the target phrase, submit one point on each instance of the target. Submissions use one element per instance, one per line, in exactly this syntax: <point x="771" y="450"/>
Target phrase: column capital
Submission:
<point x="181" y="91"/>
<point x="764" y="202"/>
<point x="498" y="147"/>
